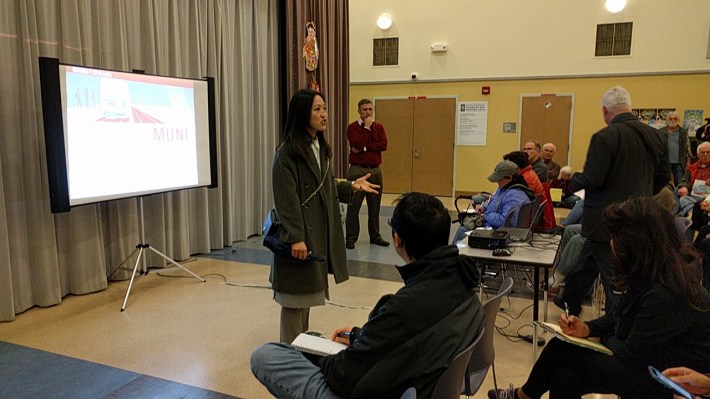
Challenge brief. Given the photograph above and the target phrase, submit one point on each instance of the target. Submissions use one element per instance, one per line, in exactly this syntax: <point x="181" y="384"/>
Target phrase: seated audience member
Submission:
<point x="553" y="168"/>
<point x="663" y="319"/>
<point x="410" y="337"/>
<point x="532" y="148"/>
<point x="572" y="242"/>
<point x="512" y="193"/>
<point x="696" y="171"/>
<point x="692" y="381"/>
<point x="520" y="159"/>
<point x="563" y="182"/>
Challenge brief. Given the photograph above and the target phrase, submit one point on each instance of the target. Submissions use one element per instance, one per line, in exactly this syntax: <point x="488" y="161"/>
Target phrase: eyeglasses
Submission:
<point x="703" y="152"/>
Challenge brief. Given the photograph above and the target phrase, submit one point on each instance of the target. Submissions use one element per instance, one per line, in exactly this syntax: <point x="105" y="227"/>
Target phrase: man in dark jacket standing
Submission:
<point x="625" y="158"/>
<point x="410" y="337"/>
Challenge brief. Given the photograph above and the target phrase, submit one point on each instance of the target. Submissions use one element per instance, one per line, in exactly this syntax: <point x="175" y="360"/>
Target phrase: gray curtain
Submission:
<point x="45" y="256"/>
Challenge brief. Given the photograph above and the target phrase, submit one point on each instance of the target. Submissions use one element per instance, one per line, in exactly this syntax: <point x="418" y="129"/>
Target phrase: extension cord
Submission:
<point x="529" y="338"/>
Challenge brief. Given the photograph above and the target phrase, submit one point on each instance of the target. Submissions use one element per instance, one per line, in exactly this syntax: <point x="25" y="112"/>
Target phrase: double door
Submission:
<point x="421" y="134"/>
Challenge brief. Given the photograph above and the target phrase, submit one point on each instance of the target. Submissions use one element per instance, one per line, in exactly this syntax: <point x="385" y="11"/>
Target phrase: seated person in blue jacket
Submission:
<point x="663" y="319"/>
<point x="512" y="193"/>
<point x="410" y="337"/>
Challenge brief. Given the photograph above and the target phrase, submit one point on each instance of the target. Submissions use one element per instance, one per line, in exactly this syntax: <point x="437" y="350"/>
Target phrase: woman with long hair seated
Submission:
<point x="663" y="321"/>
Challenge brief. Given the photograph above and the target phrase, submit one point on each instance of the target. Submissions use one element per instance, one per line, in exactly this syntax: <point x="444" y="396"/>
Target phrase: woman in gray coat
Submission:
<point x="306" y="200"/>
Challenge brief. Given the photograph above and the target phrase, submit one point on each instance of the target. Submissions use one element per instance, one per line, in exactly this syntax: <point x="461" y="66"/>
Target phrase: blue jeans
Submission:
<point x="286" y="373"/>
<point x="573" y="243"/>
<point x="575" y="215"/>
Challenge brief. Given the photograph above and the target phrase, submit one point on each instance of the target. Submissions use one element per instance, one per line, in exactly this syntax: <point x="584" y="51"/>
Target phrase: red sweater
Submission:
<point x="368" y="142"/>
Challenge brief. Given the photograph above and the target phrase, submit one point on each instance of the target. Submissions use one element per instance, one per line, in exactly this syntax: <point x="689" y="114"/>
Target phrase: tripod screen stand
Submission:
<point x="141" y="249"/>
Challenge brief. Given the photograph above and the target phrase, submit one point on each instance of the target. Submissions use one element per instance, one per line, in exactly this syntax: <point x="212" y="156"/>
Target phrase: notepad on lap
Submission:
<point x="585" y="342"/>
<point x="316" y="345"/>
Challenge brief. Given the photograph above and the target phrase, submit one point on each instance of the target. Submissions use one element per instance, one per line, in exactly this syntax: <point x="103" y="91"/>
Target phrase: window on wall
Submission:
<point x="385" y="51"/>
<point x="613" y="39"/>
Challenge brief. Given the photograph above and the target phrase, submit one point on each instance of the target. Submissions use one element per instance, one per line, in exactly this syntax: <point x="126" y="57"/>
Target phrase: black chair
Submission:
<point x="509" y="219"/>
<point x="536" y="204"/>
<point x="449" y="384"/>
<point x="483" y="356"/>
<point x="524" y="214"/>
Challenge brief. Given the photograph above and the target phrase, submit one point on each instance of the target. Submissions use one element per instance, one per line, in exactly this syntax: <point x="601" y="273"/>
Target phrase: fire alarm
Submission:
<point x="486" y="90"/>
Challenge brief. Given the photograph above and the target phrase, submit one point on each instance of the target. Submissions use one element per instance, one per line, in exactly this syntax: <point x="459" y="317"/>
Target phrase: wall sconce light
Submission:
<point x="384" y="21"/>
<point x="615" y="5"/>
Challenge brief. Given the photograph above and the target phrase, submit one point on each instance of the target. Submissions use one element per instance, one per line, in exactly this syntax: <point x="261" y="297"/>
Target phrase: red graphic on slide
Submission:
<point x="138" y="117"/>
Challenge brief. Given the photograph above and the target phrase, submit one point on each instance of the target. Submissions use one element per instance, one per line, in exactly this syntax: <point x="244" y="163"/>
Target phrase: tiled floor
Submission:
<point x="200" y="335"/>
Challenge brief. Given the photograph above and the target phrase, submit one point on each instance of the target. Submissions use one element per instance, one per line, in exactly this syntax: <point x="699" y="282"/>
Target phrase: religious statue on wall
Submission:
<point x="311" y="54"/>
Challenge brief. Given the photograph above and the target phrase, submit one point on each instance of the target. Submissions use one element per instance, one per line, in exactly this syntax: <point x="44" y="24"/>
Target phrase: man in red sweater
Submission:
<point x="367" y="140"/>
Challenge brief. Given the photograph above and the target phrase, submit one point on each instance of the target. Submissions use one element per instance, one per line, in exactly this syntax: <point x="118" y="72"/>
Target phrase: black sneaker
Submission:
<point x="349" y="244"/>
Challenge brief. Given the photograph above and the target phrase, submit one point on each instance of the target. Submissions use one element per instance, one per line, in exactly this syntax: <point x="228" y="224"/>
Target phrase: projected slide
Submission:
<point x="127" y="133"/>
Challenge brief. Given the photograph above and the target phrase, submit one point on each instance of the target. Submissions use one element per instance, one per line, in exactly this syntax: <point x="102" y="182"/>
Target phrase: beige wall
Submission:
<point x="473" y="163"/>
<point x="494" y="39"/>
<point x="529" y="47"/>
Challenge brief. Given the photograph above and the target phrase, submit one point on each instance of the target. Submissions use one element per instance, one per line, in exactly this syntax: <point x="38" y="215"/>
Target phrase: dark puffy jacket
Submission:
<point x="411" y="337"/>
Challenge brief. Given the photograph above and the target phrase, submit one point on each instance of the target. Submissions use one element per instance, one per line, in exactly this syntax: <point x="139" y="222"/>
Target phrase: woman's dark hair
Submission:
<point x="647" y="250"/>
<point x="422" y="223"/>
<point x="519" y="158"/>
<point x="295" y="137"/>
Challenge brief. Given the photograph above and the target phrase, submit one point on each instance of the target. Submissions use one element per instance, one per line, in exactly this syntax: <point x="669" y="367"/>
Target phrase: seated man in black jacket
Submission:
<point x="410" y="337"/>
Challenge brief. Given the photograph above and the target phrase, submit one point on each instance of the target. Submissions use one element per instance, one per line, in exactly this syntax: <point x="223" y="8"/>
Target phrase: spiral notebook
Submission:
<point x="316" y="345"/>
<point x="585" y="342"/>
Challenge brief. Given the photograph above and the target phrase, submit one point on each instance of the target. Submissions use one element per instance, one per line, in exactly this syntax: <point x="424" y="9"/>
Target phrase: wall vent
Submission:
<point x="613" y="39"/>
<point x="385" y="51"/>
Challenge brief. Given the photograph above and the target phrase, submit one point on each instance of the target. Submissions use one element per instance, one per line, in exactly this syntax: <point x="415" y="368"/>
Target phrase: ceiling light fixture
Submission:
<point x="615" y="5"/>
<point x="384" y="21"/>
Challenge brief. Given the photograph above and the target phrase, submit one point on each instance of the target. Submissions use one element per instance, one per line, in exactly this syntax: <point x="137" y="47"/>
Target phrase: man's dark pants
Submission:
<point x="352" y="221"/>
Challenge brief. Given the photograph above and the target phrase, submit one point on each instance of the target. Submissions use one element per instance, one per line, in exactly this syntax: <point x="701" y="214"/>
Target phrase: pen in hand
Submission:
<point x="569" y="322"/>
<point x="344" y="334"/>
